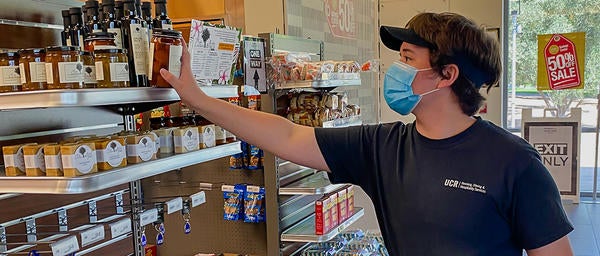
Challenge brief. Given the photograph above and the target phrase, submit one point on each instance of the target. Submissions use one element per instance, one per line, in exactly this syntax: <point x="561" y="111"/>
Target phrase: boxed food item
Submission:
<point x="35" y="164"/>
<point x="78" y="158"/>
<point x="53" y="160"/>
<point x="140" y="148"/>
<point x="207" y="136"/>
<point x="150" y="250"/>
<point x="111" y="153"/>
<point x="186" y="139"/>
<point x="350" y="199"/>
<point x="333" y="210"/>
<point x="165" y="136"/>
<point x="342" y="204"/>
<point x="14" y="159"/>
<point x="322" y="215"/>
<point x="156" y="141"/>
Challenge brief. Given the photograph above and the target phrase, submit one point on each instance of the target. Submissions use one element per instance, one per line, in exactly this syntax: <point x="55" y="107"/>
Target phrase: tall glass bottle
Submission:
<point x="161" y="19"/>
<point x="77" y="28"/>
<point x="65" y="35"/>
<point x="118" y="11"/>
<point x="147" y="14"/>
<point x="110" y="23"/>
<point x="93" y="24"/>
<point x="135" y="40"/>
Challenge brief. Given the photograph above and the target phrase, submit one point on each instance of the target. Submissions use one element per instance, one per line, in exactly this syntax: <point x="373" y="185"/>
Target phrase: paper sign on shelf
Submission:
<point x="148" y="216"/>
<point x="65" y="246"/>
<point x="120" y="228"/>
<point x="175" y="204"/>
<point x="92" y="235"/>
<point x="198" y="198"/>
<point x="561" y="61"/>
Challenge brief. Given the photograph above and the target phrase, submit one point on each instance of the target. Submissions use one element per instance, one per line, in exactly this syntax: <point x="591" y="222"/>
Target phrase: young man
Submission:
<point x="447" y="184"/>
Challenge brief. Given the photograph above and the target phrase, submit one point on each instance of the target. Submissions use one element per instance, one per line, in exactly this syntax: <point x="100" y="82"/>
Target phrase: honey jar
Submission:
<point x="165" y="52"/>
<point x="111" y="153"/>
<point x="10" y="76"/>
<point x="112" y="69"/>
<point x="14" y="159"/>
<point x="53" y="160"/>
<point x="140" y="148"/>
<point x="89" y="67"/>
<point x="33" y="69"/>
<point x="100" y="40"/>
<point x="64" y="67"/>
<point x="79" y="158"/>
<point x="186" y="139"/>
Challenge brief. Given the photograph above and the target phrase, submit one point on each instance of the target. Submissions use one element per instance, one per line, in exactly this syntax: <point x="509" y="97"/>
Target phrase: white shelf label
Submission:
<point x="148" y="217"/>
<point x="120" y="228"/>
<point x="174" y="205"/>
<point x="198" y="198"/>
<point x="65" y="246"/>
<point x="92" y="235"/>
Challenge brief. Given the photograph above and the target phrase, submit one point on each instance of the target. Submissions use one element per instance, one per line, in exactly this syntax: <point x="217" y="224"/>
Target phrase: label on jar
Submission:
<point x="49" y="75"/>
<point x="89" y="76"/>
<point x="83" y="159"/>
<point x="113" y="154"/>
<point x="36" y="161"/>
<point x="15" y="160"/>
<point x="150" y="61"/>
<point x="119" y="72"/>
<point x="118" y="39"/>
<point x="103" y="47"/>
<point x="139" y="43"/>
<point x="220" y="133"/>
<point x="22" y="71"/>
<point x="99" y="71"/>
<point x="37" y="72"/>
<point x="144" y="149"/>
<point x="70" y="72"/>
<point x="175" y="52"/>
<point x="10" y="75"/>
<point x="167" y="26"/>
<point x="208" y="136"/>
<point x="53" y="161"/>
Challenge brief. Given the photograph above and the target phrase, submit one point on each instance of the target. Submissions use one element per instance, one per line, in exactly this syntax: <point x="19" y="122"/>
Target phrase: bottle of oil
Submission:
<point x="161" y="19"/>
<point x="93" y="24"/>
<point x="110" y="23"/>
<point x="135" y="40"/>
<point x="65" y="35"/>
<point x="77" y="27"/>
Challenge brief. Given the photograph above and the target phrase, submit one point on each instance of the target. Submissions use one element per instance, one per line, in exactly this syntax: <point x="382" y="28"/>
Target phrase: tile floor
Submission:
<point x="585" y="216"/>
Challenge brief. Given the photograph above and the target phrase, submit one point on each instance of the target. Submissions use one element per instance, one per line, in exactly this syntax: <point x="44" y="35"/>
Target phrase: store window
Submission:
<point x="526" y="20"/>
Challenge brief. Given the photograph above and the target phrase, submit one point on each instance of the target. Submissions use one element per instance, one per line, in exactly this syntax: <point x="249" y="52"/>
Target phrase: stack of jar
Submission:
<point x="180" y="124"/>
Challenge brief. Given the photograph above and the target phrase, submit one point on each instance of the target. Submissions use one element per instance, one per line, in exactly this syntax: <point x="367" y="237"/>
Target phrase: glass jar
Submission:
<point x="64" y="67"/>
<point x="10" y="76"/>
<point x="33" y="69"/>
<point x="165" y="52"/>
<point x="100" y="40"/>
<point x="112" y="69"/>
<point x="89" y="68"/>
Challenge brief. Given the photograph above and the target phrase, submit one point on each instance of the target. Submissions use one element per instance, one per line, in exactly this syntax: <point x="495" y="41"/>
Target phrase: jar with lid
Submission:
<point x="64" y="67"/>
<point x="165" y="52"/>
<point x="33" y="69"/>
<point x="10" y="75"/>
<point x="112" y="68"/>
<point x="100" y="40"/>
<point x="89" y="70"/>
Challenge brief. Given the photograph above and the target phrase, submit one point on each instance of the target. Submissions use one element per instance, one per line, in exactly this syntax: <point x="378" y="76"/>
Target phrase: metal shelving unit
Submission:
<point x="343" y="122"/>
<point x="102" y="180"/>
<point x="326" y="83"/>
<point x="304" y="231"/>
<point x="316" y="184"/>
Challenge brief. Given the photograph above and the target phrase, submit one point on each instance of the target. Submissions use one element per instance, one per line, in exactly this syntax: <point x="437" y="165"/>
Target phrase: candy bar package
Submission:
<point x="253" y="203"/>
<point x="233" y="201"/>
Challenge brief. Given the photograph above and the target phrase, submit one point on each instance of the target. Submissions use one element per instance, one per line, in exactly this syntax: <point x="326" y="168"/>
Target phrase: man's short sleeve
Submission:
<point x="348" y="152"/>
<point x="538" y="218"/>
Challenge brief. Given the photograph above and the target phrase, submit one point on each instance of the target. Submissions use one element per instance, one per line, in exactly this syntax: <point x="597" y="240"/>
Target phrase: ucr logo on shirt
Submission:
<point x="451" y="183"/>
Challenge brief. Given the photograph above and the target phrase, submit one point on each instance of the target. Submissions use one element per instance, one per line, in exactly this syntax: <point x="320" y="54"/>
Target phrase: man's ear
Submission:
<point x="450" y="74"/>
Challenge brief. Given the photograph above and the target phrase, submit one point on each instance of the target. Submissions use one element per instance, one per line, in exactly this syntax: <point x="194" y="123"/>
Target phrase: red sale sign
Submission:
<point x="563" y="58"/>
<point x="340" y="17"/>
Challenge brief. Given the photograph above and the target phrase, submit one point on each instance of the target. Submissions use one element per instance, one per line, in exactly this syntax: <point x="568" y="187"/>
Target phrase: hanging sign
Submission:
<point x="254" y="63"/>
<point x="340" y="17"/>
<point x="561" y="61"/>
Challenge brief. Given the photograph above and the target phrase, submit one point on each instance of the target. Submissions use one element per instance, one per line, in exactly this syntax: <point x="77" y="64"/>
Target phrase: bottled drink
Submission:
<point x="161" y="19"/>
<point x="110" y="23"/>
<point x="135" y="40"/>
<point x="77" y="28"/>
<point x="93" y="24"/>
<point x="65" y="35"/>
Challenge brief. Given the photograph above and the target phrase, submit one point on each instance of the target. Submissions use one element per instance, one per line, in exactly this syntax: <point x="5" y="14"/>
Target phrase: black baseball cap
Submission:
<point x="393" y="37"/>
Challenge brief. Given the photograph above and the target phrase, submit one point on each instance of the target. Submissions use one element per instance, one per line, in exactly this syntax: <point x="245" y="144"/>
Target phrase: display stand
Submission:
<point x="557" y="140"/>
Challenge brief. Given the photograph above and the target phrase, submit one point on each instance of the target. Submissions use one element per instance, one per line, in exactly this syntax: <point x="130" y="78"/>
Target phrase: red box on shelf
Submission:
<point x="333" y="209"/>
<point x="150" y="250"/>
<point x="342" y="205"/>
<point x="322" y="216"/>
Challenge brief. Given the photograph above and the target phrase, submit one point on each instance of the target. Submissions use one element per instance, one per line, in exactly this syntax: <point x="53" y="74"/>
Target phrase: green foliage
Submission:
<point x="538" y="17"/>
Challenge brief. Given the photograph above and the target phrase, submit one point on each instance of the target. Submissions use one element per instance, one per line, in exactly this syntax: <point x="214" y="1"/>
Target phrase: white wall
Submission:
<point x="398" y="12"/>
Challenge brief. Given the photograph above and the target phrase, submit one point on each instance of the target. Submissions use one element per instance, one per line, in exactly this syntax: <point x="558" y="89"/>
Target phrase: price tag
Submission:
<point x="198" y="198"/>
<point x="174" y="205"/>
<point x="148" y="217"/>
<point x="120" y="228"/>
<point x="253" y="189"/>
<point x="65" y="246"/>
<point x="92" y="235"/>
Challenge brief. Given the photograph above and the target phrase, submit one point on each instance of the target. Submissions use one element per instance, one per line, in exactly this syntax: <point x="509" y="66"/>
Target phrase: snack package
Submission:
<point x="350" y="199"/>
<point x="333" y="210"/>
<point x="342" y="205"/>
<point x="233" y="201"/>
<point x="322" y="215"/>
<point x="253" y="203"/>
<point x="255" y="158"/>
<point x="238" y="161"/>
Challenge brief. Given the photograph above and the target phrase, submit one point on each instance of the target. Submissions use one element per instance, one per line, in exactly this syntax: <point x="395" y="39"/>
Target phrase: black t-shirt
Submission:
<point x="481" y="192"/>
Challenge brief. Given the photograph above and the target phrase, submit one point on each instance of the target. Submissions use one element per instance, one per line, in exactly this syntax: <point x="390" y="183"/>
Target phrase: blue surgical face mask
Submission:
<point x="397" y="88"/>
